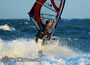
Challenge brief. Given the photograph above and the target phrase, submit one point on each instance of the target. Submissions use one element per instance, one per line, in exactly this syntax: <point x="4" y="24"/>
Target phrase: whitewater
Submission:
<point x="71" y="46"/>
<point x="53" y="53"/>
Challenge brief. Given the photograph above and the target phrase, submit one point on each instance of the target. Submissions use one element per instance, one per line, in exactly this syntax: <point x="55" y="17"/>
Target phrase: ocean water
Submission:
<point x="72" y="48"/>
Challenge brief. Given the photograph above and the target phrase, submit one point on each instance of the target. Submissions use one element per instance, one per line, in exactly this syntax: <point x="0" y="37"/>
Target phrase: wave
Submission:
<point x="52" y="61"/>
<point x="6" y="27"/>
<point x="18" y="48"/>
<point x="53" y="53"/>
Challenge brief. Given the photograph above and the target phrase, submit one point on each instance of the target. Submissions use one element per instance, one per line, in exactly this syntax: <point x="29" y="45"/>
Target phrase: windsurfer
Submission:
<point x="47" y="29"/>
<point x="56" y="8"/>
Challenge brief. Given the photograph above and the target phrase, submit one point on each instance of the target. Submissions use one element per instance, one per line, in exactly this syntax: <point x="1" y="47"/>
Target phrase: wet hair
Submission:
<point x="47" y="21"/>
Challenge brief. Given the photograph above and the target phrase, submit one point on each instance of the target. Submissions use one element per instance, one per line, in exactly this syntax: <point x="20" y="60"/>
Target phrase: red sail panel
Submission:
<point x="57" y="8"/>
<point x="35" y="12"/>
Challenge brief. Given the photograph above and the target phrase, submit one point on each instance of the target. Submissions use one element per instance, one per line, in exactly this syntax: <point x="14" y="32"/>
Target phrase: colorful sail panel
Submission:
<point x="35" y="12"/>
<point x="59" y="9"/>
<point x="46" y="10"/>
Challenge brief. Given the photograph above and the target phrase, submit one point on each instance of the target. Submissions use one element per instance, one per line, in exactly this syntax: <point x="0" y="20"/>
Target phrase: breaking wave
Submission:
<point x="53" y="53"/>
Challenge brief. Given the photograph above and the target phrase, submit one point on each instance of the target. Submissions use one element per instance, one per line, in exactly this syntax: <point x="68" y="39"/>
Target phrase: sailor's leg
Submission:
<point x="44" y="41"/>
<point x="36" y="40"/>
<point x="37" y="36"/>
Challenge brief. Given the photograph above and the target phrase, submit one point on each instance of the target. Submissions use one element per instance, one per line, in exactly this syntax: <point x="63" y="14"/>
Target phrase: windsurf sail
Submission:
<point x="44" y="10"/>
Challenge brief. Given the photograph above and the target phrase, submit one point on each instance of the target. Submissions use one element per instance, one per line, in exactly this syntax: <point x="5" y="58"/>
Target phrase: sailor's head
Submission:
<point x="49" y="22"/>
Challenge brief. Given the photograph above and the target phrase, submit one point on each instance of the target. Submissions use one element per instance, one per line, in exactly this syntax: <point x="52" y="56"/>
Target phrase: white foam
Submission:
<point x="6" y="27"/>
<point x="88" y="32"/>
<point x="28" y="48"/>
<point x="24" y="47"/>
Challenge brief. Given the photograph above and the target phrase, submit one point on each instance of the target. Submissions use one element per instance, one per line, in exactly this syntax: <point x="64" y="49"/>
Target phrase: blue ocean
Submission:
<point x="17" y="40"/>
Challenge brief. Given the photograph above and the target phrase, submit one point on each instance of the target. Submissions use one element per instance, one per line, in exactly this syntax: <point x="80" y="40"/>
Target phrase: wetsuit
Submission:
<point x="45" y="32"/>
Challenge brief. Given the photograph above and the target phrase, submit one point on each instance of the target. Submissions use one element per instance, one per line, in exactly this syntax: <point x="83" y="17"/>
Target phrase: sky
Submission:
<point x="20" y="8"/>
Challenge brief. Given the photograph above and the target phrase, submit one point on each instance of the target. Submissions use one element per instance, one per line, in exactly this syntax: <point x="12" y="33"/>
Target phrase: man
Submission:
<point x="46" y="30"/>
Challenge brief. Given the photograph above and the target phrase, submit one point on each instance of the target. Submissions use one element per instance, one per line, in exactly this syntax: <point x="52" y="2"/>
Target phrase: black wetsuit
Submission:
<point x="43" y="36"/>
